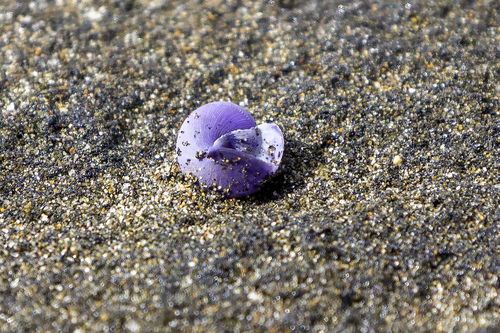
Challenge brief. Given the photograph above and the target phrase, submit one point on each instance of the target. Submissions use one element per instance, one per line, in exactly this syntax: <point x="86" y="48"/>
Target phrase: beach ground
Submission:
<point x="384" y="215"/>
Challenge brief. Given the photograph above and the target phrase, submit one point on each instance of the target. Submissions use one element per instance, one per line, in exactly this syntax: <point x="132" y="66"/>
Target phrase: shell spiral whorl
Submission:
<point x="221" y="144"/>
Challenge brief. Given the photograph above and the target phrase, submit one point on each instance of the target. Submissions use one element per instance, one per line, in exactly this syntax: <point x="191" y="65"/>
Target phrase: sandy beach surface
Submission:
<point x="384" y="215"/>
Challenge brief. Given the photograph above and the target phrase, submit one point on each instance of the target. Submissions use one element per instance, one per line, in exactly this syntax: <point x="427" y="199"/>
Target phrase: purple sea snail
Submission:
<point x="221" y="145"/>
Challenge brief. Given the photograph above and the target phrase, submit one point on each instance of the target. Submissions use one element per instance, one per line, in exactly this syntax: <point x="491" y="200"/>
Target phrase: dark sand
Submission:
<point x="383" y="217"/>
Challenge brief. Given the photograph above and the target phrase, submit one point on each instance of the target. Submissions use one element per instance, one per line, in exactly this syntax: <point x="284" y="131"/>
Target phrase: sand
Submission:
<point x="384" y="215"/>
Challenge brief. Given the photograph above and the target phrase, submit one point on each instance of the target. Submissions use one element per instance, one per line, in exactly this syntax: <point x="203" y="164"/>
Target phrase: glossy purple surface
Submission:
<point x="221" y="145"/>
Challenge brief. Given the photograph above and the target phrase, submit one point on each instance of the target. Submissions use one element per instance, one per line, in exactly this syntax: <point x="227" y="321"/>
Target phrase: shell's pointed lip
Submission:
<point x="217" y="152"/>
<point x="219" y="145"/>
<point x="230" y="155"/>
<point x="214" y="151"/>
<point x="259" y="142"/>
